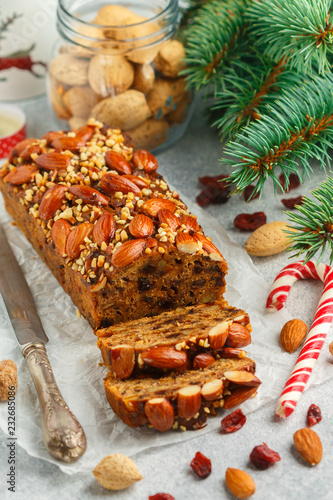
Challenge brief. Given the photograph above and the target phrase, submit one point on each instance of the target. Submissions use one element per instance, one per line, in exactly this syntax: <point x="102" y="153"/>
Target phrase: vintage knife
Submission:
<point x="63" y="435"/>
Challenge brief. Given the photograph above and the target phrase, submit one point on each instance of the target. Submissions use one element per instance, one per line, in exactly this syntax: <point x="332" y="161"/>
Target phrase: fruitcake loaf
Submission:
<point x="121" y="244"/>
<point x="182" y="400"/>
<point x="188" y="337"/>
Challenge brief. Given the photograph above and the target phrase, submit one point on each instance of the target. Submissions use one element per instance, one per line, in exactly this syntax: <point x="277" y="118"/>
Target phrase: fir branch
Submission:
<point x="253" y="82"/>
<point x="302" y="30"/>
<point x="314" y="224"/>
<point x="295" y="129"/>
<point x="210" y="40"/>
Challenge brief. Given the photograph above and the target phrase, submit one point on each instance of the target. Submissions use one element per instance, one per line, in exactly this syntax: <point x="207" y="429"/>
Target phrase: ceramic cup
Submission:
<point x="12" y="128"/>
<point x="28" y="31"/>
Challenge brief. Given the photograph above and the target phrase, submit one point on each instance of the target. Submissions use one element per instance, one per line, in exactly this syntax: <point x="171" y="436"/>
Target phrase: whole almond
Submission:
<point x="104" y="229"/>
<point x="85" y="132"/>
<point x="89" y="195"/>
<point x="76" y="239"/>
<point x="21" y="175"/>
<point x="116" y="161"/>
<point x="165" y="216"/>
<point x="268" y="239"/>
<point x="72" y="144"/>
<point x="293" y="334"/>
<point x="111" y="183"/>
<point x="52" y="201"/>
<point x="138" y="181"/>
<point x="190" y="223"/>
<point x="128" y="252"/>
<point x="50" y="136"/>
<point x="160" y="413"/>
<point x="141" y="226"/>
<point x="203" y="360"/>
<point x="154" y="205"/>
<point x="143" y="159"/>
<point x="238" y="336"/>
<point x="240" y="483"/>
<point x="30" y="150"/>
<point x="53" y="161"/>
<point x="116" y="472"/>
<point x="59" y="234"/>
<point x="17" y="150"/>
<point x="308" y="445"/>
<point x="238" y="396"/>
<point x="164" y="357"/>
<point x="331" y="348"/>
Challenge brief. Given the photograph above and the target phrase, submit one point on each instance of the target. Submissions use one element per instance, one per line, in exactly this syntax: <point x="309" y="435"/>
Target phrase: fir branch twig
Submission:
<point x="210" y="39"/>
<point x="302" y="30"/>
<point x="252" y="82"/>
<point x="314" y="223"/>
<point x="296" y="128"/>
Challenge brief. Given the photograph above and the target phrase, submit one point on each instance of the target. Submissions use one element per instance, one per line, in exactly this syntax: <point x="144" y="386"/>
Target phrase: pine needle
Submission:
<point x="251" y="83"/>
<point x="301" y="30"/>
<point x="211" y="38"/>
<point x="314" y="223"/>
<point x="298" y="127"/>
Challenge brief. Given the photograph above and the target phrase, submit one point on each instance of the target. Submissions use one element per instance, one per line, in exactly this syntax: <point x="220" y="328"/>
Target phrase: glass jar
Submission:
<point x="120" y="64"/>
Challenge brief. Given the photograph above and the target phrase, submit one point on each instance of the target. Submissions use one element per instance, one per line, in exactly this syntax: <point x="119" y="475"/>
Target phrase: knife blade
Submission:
<point x="63" y="435"/>
<point x="17" y="297"/>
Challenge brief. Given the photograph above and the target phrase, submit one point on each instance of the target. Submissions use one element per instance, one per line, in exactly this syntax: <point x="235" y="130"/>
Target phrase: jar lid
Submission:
<point x="12" y="128"/>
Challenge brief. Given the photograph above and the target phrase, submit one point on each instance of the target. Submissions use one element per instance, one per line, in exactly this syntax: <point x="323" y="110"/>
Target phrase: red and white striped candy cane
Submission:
<point x="316" y="336"/>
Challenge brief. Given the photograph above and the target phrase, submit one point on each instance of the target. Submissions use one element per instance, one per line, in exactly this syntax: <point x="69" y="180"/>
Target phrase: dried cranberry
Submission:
<point x="215" y="191"/>
<point x="292" y="202"/>
<point x="313" y="416"/>
<point x="233" y="422"/>
<point x="248" y="193"/>
<point x="209" y="179"/>
<point x="263" y="457"/>
<point x="201" y="465"/>
<point x="294" y="182"/>
<point x="161" y="496"/>
<point x="250" y="222"/>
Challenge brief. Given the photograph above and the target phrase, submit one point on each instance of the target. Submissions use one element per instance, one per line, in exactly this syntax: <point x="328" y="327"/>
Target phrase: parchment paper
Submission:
<point x="75" y="357"/>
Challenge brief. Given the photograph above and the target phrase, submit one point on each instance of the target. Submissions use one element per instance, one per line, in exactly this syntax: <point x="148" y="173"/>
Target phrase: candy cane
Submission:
<point x="316" y="336"/>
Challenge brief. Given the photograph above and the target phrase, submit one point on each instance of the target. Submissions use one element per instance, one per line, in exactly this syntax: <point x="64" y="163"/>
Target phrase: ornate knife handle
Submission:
<point x="63" y="435"/>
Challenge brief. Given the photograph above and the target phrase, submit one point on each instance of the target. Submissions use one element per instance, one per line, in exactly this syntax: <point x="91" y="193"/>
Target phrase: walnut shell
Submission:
<point x="80" y="100"/>
<point x="69" y="70"/>
<point x="165" y="95"/>
<point x="126" y="111"/>
<point x="144" y="78"/>
<point x="149" y="134"/>
<point x="8" y="378"/>
<point x="110" y="74"/>
<point x="170" y="58"/>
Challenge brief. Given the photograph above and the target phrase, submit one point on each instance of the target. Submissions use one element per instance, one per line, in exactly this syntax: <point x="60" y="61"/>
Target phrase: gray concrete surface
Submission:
<point x="166" y="469"/>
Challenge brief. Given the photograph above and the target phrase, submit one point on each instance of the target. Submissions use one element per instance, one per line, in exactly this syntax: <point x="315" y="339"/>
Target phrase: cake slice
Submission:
<point x="189" y="337"/>
<point x="182" y="400"/>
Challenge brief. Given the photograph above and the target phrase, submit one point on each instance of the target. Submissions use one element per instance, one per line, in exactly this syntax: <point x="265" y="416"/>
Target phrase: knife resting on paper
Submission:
<point x="63" y="435"/>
